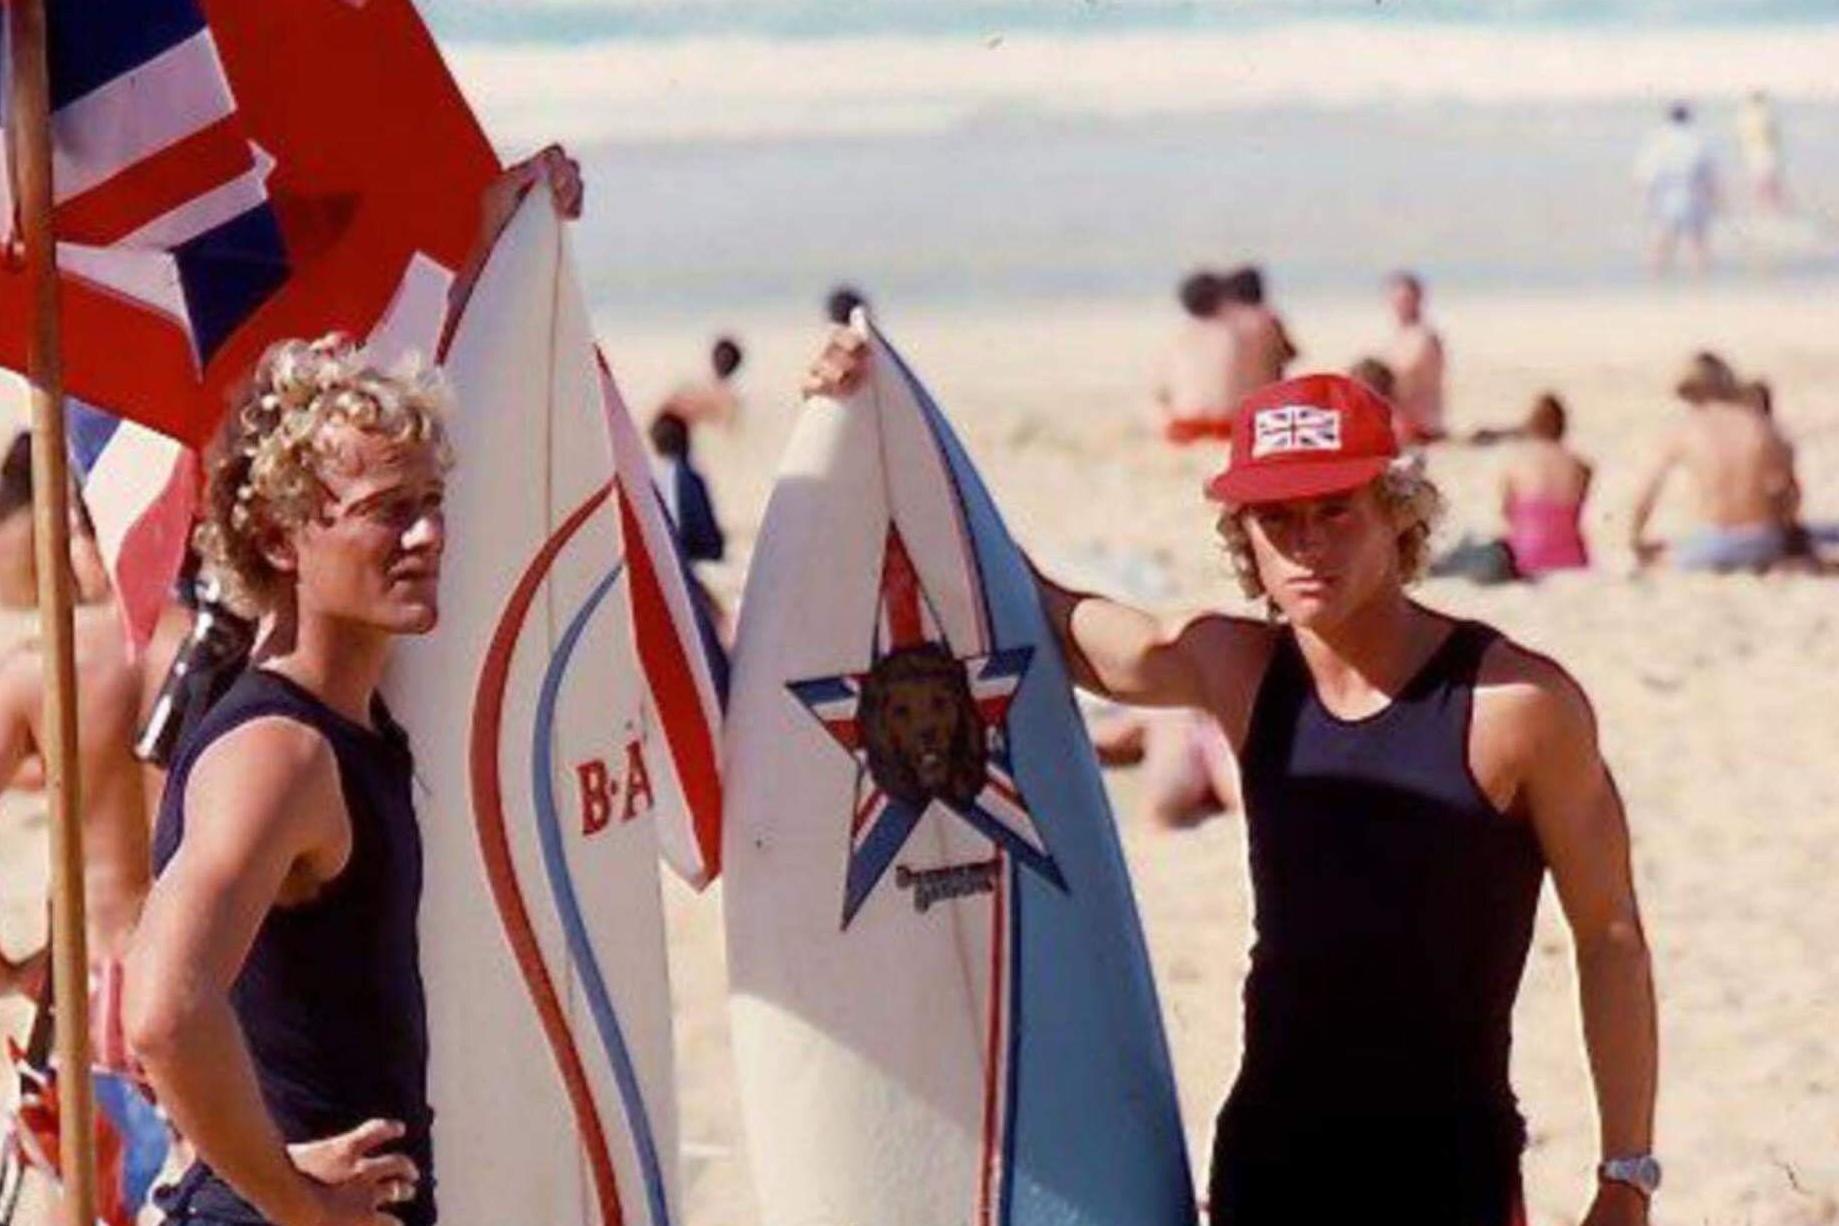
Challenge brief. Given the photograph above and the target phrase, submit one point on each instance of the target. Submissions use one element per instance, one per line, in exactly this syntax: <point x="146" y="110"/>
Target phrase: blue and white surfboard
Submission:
<point x="943" y="1010"/>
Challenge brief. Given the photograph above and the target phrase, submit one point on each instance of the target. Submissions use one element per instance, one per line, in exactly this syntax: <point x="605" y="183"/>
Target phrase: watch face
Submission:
<point x="1642" y="1172"/>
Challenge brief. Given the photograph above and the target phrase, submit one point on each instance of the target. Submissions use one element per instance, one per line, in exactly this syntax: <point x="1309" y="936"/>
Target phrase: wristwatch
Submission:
<point x="1641" y="1172"/>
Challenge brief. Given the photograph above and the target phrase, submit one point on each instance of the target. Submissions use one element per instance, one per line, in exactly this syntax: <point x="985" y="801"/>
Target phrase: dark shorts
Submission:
<point x="1430" y="1172"/>
<point x="200" y="1198"/>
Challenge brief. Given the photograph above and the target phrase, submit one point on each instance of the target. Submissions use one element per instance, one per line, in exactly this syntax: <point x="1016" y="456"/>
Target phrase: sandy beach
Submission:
<point x="1711" y="693"/>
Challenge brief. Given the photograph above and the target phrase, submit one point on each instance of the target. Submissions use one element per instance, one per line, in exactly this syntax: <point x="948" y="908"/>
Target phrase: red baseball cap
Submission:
<point x="1303" y="438"/>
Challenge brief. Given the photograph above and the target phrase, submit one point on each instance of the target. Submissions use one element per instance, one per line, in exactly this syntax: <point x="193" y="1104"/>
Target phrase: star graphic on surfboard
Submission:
<point x="926" y="726"/>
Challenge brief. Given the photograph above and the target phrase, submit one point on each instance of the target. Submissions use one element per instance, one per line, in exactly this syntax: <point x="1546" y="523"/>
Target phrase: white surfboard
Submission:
<point x="543" y="767"/>
<point x="942" y="1007"/>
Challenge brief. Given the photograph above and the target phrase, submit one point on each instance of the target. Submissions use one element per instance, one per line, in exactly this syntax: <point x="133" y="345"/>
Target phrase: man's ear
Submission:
<point x="278" y="551"/>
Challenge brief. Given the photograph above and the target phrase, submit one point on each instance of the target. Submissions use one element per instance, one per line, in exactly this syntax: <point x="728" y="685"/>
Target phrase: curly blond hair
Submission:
<point x="1404" y="488"/>
<point x="275" y="448"/>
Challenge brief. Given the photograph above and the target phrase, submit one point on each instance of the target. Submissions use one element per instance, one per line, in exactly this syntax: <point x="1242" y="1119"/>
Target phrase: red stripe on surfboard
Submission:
<point x="673" y="686"/>
<point x="992" y="1079"/>
<point x="495" y="847"/>
<point x="900" y="595"/>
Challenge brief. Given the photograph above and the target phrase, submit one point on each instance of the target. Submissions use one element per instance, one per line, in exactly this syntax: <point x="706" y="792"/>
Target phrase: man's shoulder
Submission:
<point x="270" y="777"/>
<point x="266" y="756"/>
<point x="1528" y="692"/>
<point x="1226" y="645"/>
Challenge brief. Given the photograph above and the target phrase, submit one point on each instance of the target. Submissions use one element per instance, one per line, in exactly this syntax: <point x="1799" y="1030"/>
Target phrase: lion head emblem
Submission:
<point x="921" y="728"/>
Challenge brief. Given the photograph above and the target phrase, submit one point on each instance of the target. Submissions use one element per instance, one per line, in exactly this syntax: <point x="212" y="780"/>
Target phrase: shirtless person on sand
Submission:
<point x="1415" y="355"/>
<point x="1262" y="349"/>
<point x="1194" y="389"/>
<point x="1741" y="471"/>
<point x="117" y="863"/>
<point x="1408" y="781"/>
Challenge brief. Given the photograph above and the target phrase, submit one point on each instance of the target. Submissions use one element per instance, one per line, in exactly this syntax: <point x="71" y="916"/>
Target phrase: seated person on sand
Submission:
<point x="116" y="838"/>
<point x="711" y="400"/>
<point x="1808" y="544"/>
<point x="1741" y="473"/>
<point x="1415" y="355"/>
<point x="1188" y="770"/>
<point x="1543" y="486"/>
<point x="1374" y="374"/>
<point x="1194" y="388"/>
<point x="1263" y="350"/>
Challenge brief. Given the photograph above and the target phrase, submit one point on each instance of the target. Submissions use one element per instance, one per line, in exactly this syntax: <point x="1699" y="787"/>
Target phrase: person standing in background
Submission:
<point x="1415" y="356"/>
<point x="1679" y="180"/>
<point x="1759" y="136"/>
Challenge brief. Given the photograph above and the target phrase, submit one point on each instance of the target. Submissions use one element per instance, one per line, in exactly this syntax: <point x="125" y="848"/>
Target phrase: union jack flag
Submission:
<point x="1295" y="427"/>
<point x="159" y="205"/>
<point x="204" y="208"/>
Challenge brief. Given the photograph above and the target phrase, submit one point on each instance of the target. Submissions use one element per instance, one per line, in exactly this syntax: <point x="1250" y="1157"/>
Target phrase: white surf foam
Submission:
<point x="747" y="88"/>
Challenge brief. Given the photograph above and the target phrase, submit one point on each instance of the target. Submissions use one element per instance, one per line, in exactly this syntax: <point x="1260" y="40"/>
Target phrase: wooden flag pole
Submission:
<point x="31" y="133"/>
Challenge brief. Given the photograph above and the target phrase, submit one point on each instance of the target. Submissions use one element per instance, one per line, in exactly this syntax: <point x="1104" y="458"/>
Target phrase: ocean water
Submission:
<point x="572" y="20"/>
<point x="752" y="152"/>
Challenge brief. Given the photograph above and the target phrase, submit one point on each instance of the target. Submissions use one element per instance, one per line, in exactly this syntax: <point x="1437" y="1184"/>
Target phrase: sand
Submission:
<point x="1714" y="697"/>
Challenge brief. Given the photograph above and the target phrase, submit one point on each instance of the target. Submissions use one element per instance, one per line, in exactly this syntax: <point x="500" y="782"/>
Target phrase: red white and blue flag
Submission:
<point x="160" y="206"/>
<point x="205" y="206"/>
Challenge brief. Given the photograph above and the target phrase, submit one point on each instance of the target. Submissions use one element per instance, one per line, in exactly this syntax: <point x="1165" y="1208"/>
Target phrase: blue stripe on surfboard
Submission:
<point x="568" y="906"/>
<point x="1087" y="1143"/>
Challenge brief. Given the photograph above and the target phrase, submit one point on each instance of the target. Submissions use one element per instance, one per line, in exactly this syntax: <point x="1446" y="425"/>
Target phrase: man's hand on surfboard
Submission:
<point x="357" y="1183"/>
<point x="841" y="367"/>
<point x="562" y="172"/>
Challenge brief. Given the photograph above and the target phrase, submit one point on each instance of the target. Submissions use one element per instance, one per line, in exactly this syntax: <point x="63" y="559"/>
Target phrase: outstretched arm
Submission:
<point x="500" y="201"/>
<point x="1113" y="649"/>
<point x="1127" y="654"/>
<point x="1652" y="483"/>
<point x="1574" y="807"/>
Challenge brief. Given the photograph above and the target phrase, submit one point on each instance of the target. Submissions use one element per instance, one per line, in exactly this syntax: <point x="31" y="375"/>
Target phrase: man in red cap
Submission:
<point x="1408" y="780"/>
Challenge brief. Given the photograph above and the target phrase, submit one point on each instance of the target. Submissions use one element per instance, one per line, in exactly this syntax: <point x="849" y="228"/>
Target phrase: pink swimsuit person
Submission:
<point x="1543" y="535"/>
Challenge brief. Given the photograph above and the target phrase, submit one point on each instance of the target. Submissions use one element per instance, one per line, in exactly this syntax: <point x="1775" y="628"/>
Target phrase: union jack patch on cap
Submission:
<point x="1305" y="438"/>
<point x="1295" y="427"/>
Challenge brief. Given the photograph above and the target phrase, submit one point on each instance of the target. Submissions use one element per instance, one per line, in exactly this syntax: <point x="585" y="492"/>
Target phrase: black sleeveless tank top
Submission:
<point x="330" y="997"/>
<point x="1394" y="908"/>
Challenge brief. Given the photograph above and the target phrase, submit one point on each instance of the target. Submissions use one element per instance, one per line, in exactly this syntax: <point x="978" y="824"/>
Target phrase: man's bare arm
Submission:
<point x="1583" y="831"/>
<point x="1652" y="482"/>
<point x="1126" y="654"/>
<point x="262" y="806"/>
<point x="21" y="693"/>
<point x="500" y="200"/>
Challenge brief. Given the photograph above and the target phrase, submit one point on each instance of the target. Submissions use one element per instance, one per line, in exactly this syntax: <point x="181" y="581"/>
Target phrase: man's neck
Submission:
<point x="338" y="661"/>
<point x="1373" y="651"/>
